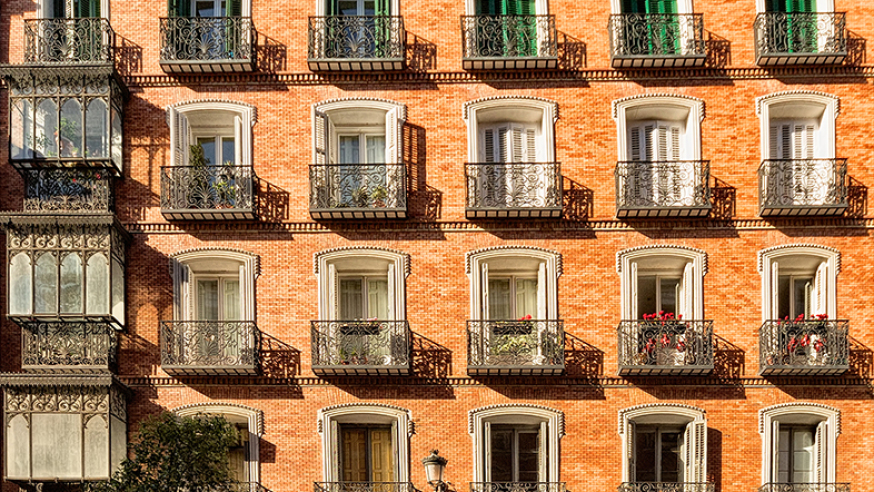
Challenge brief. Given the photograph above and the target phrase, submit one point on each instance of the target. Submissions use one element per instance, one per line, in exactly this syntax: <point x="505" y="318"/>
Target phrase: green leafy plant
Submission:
<point x="360" y="196"/>
<point x="378" y="195"/>
<point x="224" y="186"/>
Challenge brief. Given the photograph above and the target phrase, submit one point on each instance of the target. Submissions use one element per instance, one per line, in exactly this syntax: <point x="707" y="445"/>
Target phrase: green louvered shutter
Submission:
<point x="180" y="8"/>
<point x="85" y="8"/>
<point x="666" y="30"/>
<point x="801" y="26"/>
<point x="235" y="8"/>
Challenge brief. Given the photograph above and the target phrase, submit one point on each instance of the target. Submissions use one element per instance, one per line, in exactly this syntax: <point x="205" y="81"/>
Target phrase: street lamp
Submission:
<point x="434" y="466"/>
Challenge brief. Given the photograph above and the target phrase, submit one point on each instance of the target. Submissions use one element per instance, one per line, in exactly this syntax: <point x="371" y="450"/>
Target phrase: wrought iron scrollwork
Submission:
<point x="47" y="345"/>
<point x="69" y="40"/>
<point x="67" y="189"/>
<point x="803" y="183"/>
<point x="811" y="343"/>
<point x="207" y="187"/>
<point x="360" y="343"/>
<point x="514" y="185"/>
<point x="662" y="184"/>
<point x="205" y="344"/>
<point x="509" y="36"/>
<point x="356" y="37"/>
<point x="532" y="342"/>
<point x="657" y="35"/>
<point x="666" y="487"/>
<point x="787" y="33"/>
<point x="518" y="487"/>
<point x="363" y="487"/>
<point x="206" y="38"/>
<point x="358" y="186"/>
<point x="665" y="343"/>
<point x="805" y="487"/>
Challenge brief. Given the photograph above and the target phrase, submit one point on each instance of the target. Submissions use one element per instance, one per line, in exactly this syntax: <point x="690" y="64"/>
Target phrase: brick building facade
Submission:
<point x="551" y="184"/>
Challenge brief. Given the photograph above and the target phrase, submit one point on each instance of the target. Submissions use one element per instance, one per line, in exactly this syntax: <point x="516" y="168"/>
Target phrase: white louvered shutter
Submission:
<point x="485" y="291"/>
<point x="630" y="450"/>
<point x="393" y="136"/>
<point x="238" y="143"/>
<point x="820" y="290"/>
<point x="775" y="451"/>
<point x="700" y="451"/>
<point x="637" y="139"/>
<point x="179" y="135"/>
<point x="774" y="291"/>
<point x="333" y="293"/>
<point x="820" y="458"/>
<point x="687" y="453"/>
<point x="335" y="452"/>
<point x="542" y="305"/>
<point x="487" y="438"/>
<point x="392" y="294"/>
<point x="635" y="305"/>
<point x="687" y="300"/>
<point x="181" y="292"/>
<point x="503" y="144"/>
<point x="320" y="136"/>
<point x="488" y="150"/>
<point x="543" y="453"/>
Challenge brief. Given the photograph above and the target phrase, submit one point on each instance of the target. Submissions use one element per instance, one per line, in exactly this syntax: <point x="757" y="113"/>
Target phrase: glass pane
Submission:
<point x="353" y="454"/>
<point x="377" y="298"/>
<point x="526" y="297"/>
<point x="784" y="308"/>
<point x="803" y="288"/>
<point x="208" y="145"/>
<point x="351" y="301"/>
<point x="228" y="151"/>
<point x="118" y="290"/>
<point x="369" y="7"/>
<point x="802" y="457"/>
<point x="97" y="130"/>
<point x="646" y="296"/>
<point x="207" y="300"/>
<point x="71" y="129"/>
<point x="71" y="284"/>
<point x="499" y="299"/>
<point x="20" y="285"/>
<point x="231" y="299"/>
<point x="46" y="129"/>
<point x="116" y="138"/>
<point x="57" y="445"/>
<point x="204" y="8"/>
<point x="375" y="149"/>
<point x="645" y="455"/>
<point x="348" y="7"/>
<point x="46" y="280"/>
<point x="21" y="130"/>
<point x="670" y="466"/>
<point x="349" y="153"/>
<point x="502" y="454"/>
<point x="97" y="285"/>
<point x="668" y="294"/>
<point x="784" y="456"/>
<point x="529" y="456"/>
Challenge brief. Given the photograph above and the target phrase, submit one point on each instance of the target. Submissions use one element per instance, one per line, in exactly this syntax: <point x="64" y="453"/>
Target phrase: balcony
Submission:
<point x="68" y="347"/>
<point x="662" y="189"/>
<point x="529" y="189"/>
<point x="356" y="43"/>
<point x="666" y="487"/>
<point x="657" y="40"/>
<point x="67" y="190"/>
<point x="515" y="347"/>
<point x="803" y="348"/>
<point x="207" y="44"/>
<point x="802" y="187"/>
<point x="363" y="487"/>
<point x="800" y="38"/>
<point x="805" y="487"/>
<point x="518" y="487"/>
<point x="358" y="191"/>
<point x="509" y="42"/>
<point x="358" y="347"/>
<point x="665" y="347"/>
<point x="208" y="193"/>
<point x="209" y="347"/>
<point x="69" y="41"/>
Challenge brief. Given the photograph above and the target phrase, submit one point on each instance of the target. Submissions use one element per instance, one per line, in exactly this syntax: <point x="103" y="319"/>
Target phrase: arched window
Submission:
<point x="799" y="444"/>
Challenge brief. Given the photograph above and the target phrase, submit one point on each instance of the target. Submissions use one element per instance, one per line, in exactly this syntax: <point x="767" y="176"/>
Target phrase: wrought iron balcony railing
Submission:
<point x="662" y="188"/>
<point x="208" y="192"/>
<point x="509" y="42"/>
<point x="803" y="187"/>
<point x="248" y="487"/>
<point x="807" y="347"/>
<point x="513" y="189"/>
<point x="665" y="347"/>
<point x="207" y="44"/>
<point x="74" y="190"/>
<point x="800" y="38"/>
<point x="356" y="191"/>
<point x="68" y="347"/>
<point x="666" y="487"/>
<point x="515" y="347"/>
<point x="657" y="40"/>
<point x="83" y="40"/>
<point x="363" y="487"/>
<point x="518" y="486"/>
<point x="357" y="42"/>
<point x="805" y="487"/>
<point x="209" y="347"/>
<point x="353" y="347"/>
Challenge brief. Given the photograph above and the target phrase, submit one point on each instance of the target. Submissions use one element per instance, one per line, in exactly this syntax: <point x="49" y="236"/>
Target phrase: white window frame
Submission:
<point x="797" y="105"/>
<point x="541" y="7"/>
<point x="328" y="424"/>
<point x="184" y="278"/>
<point x="695" y="261"/>
<point x="254" y="424"/>
<point x="328" y="123"/>
<point x="477" y="426"/>
<point x="327" y="273"/>
<point x="182" y="133"/>
<point x="44" y="7"/>
<point x="821" y="6"/>
<point x="828" y="421"/>
<point x="217" y="137"/>
<point x="542" y="113"/>
<point x="683" y="6"/>
<point x="695" y="420"/>
<point x="220" y="279"/>
<point x="321" y="11"/>
<point x="768" y="263"/>
<point x="686" y="109"/>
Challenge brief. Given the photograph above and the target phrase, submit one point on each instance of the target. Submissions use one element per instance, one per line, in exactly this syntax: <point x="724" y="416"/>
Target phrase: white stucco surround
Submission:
<point x="830" y="416"/>
<point x="823" y="107"/>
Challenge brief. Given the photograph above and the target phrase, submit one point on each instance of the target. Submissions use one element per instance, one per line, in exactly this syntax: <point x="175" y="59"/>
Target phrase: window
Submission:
<point x="799" y="443"/>
<point x="662" y="278"/>
<point x="798" y="280"/>
<point x="664" y="443"/>
<point x="661" y="27"/>
<point x="515" y="445"/>
<point x="72" y="9"/>
<point x="364" y="442"/>
<point x="222" y="129"/>
<point x="795" y="29"/>
<point x="214" y="285"/>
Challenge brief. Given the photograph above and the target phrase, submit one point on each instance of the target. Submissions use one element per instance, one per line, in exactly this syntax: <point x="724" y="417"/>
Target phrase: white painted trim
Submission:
<point x="683" y="6"/>
<point x="766" y="257"/>
<point x="555" y="427"/>
<point x="321" y="11"/>
<point x="246" y="112"/>
<point x="44" y="10"/>
<point x="474" y="260"/>
<point x="400" y="260"/>
<point x="541" y="7"/>
<point x="821" y="6"/>
<point x="251" y="267"/>
<point x="330" y="442"/>
<point x="626" y="257"/>
<point x="548" y="109"/>
<point x="693" y="106"/>
<point x="829" y="104"/>
<point x="384" y="106"/>
<point x="826" y="413"/>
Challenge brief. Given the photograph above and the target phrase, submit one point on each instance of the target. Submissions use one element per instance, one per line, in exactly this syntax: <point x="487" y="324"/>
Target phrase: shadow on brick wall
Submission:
<point x="271" y="202"/>
<point x="278" y="359"/>
<point x="430" y="359"/>
<point x="424" y="202"/>
<point x="571" y="52"/>
<point x="128" y="56"/>
<point x="421" y="54"/>
<point x="724" y="200"/>
<point x="718" y="51"/>
<point x="582" y="359"/>
<point x="577" y="201"/>
<point x="857" y="198"/>
<point x="861" y="359"/>
<point x="271" y="56"/>
<point x="729" y="360"/>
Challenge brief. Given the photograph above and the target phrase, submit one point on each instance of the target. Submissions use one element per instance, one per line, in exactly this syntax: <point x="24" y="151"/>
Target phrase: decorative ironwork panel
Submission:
<point x="363" y="487"/>
<point x="356" y="37"/>
<point x="361" y="343"/>
<point x="371" y="186"/>
<point x="206" y="38"/>
<point x="518" y="486"/>
<point x="68" y="346"/>
<point x="67" y="190"/>
<point x="803" y="183"/>
<point x="509" y="36"/>
<point x="665" y="35"/>
<point x="516" y="185"/>
<point x="792" y="33"/>
<point x="69" y="40"/>
<point x="805" y="487"/>
<point x="665" y="346"/>
<point x="666" y="487"/>
<point x="210" y="346"/>
<point x="811" y="346"/>
<point x="247" y="487"/>
<point x="207" y="188"/>
<point x="662" y="184"/>
<point x="513" y="343"/>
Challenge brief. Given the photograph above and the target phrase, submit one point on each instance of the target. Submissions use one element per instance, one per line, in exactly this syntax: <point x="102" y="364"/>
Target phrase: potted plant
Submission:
<point x="667" y="342"/>
<point x="379" y="194"/>
<point x="360" y="196"/>
<point x="224" y="186"/>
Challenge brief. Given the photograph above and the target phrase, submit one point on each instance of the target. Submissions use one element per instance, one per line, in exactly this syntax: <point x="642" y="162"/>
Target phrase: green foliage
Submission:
<point x="177" y="454"/>
<point x="196" y="157"/>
